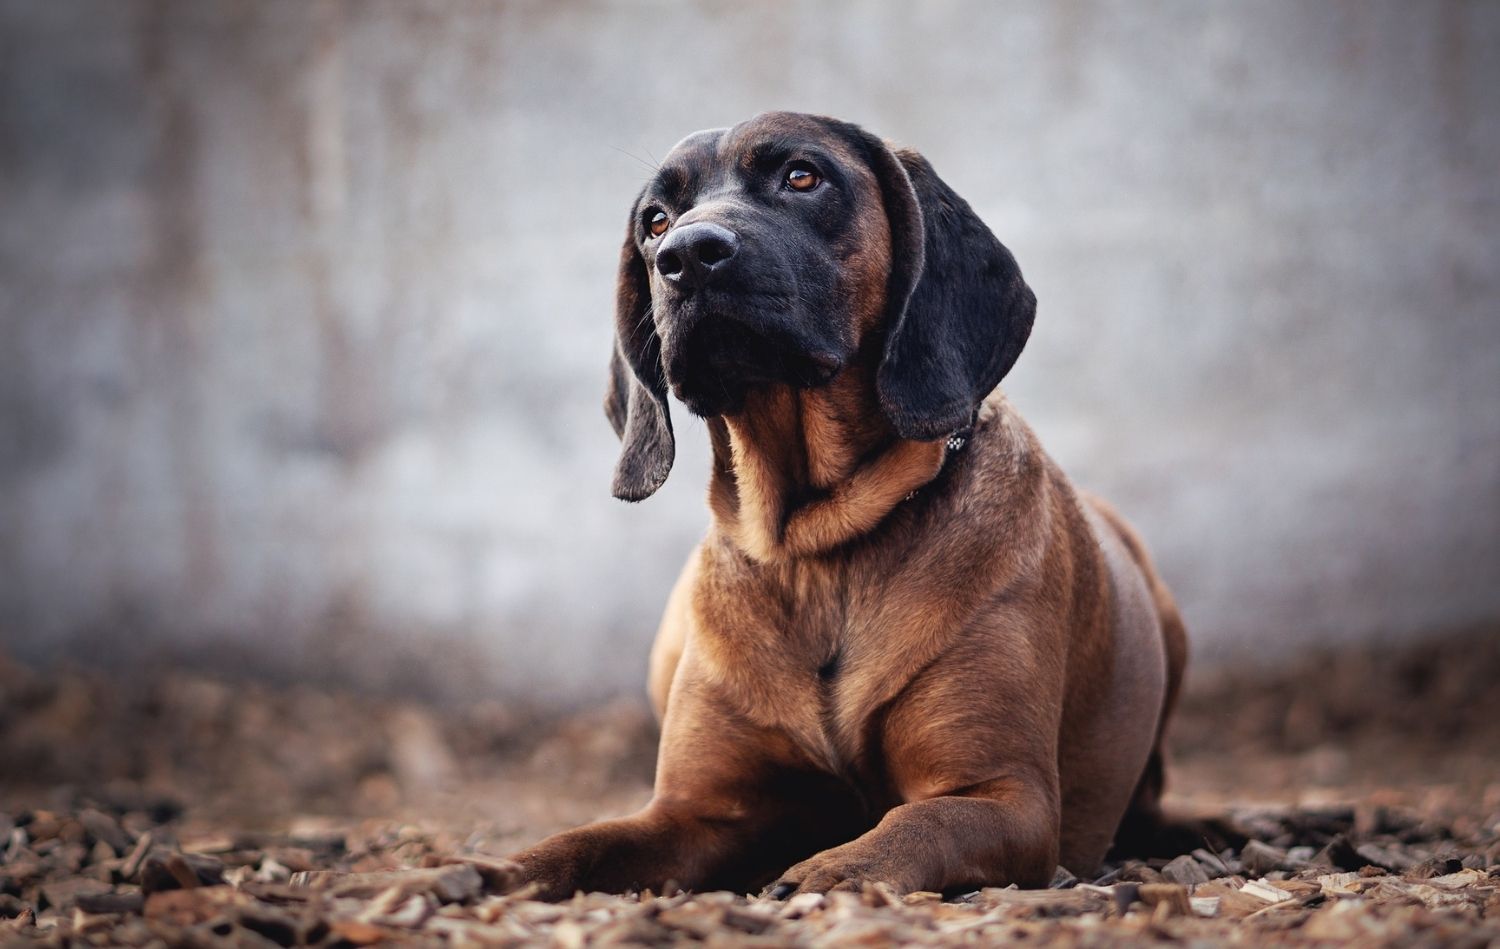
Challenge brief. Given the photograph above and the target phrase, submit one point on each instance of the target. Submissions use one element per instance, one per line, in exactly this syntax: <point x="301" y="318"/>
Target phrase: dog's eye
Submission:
<point x="802" y="177"/>
<point x="656" y="222"/>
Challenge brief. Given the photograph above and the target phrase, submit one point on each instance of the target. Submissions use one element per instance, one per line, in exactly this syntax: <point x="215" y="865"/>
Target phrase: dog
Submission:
<point x="908" y="651"/>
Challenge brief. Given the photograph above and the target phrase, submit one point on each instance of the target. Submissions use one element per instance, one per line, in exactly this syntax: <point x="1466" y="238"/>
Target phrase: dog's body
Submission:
<point x="927" y="653"/>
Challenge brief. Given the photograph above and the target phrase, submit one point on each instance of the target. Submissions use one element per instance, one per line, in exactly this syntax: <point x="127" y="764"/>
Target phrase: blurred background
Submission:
<point x="306" y="309"/>
<point x="308" y="558"/>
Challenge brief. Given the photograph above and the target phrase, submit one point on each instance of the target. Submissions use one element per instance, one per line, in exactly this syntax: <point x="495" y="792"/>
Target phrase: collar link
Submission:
<point x="956" y="442"/>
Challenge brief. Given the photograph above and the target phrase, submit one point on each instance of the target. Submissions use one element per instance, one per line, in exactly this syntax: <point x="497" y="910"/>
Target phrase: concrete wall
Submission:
<point x="305" y="307"/>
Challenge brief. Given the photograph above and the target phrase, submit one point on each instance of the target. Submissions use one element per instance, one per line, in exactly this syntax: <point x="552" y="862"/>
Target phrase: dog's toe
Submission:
<point x="839" y="870"/>
<point x="780" y="891"/>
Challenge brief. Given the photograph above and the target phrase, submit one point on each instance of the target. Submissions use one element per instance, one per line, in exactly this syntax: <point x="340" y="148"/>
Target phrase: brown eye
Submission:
<point x="656" y="223"/>
<point x="802" y="178"/>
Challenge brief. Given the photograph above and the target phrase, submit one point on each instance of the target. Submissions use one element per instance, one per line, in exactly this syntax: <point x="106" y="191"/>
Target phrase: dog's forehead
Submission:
<point x="689" y="163"/>
<point x="778" y="127"/>
<point x="703" y="156"/>
<point x="698" y="150"/>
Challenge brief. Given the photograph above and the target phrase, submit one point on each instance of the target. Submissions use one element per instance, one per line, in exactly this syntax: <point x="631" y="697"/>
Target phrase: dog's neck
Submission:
<point x="800" y="472"/>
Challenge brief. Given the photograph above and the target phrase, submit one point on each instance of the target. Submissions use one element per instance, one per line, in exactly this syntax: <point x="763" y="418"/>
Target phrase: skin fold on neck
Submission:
<point x="800" y="472"/>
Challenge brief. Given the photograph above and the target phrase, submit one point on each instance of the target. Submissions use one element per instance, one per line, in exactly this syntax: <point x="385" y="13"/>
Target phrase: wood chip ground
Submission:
<point x="191" y="811"/>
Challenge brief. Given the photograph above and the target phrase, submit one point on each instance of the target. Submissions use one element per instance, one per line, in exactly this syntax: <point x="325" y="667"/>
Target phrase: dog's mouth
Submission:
<point x="719" y="359"/>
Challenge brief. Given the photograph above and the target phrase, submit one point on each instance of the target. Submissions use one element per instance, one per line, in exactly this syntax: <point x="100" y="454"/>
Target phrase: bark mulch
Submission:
<point x="176" y="809"/>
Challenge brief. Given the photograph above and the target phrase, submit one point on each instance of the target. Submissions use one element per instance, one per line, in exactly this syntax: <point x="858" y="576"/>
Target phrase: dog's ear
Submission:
<point x="958" y="312"/>
<point x="636" y="402"/>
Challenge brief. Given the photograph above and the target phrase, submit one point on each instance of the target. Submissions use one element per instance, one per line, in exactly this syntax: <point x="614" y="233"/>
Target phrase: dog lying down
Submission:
<point x="908" y="650"/>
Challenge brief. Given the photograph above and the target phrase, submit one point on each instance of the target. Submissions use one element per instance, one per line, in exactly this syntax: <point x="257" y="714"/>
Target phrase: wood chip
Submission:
<point x="76" y="873"/>
<point x="1260" y="858"/>
<point x="1212" y="862"/>
<point x="1185" y="870"/>
<point x="802" y="904"/>
<point x="105" y="830"/>
<point x="454" y="883"/>
<point x="1207" y="906"/>
<point x="179" y="871"/>
<point x="65" y="894"/>
<point x="361" y="933"/>
<point x="111" y="902"/>
<point x="197" y="905"/>
<point x="131" y="868"/>
<point x="1170" y="896"/>
<point x="1265" y="891"/>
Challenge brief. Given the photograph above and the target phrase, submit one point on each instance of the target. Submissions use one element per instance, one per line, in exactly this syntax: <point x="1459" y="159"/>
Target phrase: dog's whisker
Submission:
<point x="651" y="166"/>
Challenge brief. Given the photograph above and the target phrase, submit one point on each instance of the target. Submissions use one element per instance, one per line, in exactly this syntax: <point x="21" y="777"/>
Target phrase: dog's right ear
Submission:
<point x="636" y="402"/>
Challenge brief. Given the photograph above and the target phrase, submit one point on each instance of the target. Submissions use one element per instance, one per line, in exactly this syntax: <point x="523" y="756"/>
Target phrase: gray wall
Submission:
<point x="306" y="307"/>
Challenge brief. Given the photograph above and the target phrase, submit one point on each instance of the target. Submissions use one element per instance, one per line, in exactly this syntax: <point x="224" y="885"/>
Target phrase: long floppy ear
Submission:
<point x="958" y="312"/>
<point x="636" y="401"/>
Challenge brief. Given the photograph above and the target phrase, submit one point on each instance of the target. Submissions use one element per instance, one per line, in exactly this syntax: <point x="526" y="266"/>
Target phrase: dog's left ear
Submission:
<point x="958" y="312"/>
<point x="636" y="401"/>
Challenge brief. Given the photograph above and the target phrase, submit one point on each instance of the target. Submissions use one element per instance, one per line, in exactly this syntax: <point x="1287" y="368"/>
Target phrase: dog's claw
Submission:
<point x="781" y="891"/>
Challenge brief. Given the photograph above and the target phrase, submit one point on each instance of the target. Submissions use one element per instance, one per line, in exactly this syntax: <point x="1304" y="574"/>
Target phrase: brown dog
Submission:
<point x="907" y="650"/>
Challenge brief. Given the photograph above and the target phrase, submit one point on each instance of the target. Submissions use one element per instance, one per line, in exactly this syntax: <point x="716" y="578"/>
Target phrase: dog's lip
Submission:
<point x="686" y="313"/>
<point x="713" y="298"/>
<point x="822" y="366"/>
<point x="726" y="392"/>
<point x="739" y="355"/>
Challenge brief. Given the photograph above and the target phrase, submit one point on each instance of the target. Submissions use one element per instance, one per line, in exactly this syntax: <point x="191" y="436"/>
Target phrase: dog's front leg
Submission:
<point x="664" y="843"/>
<point x="734" y="803"/>
<point x="997" y="833"/>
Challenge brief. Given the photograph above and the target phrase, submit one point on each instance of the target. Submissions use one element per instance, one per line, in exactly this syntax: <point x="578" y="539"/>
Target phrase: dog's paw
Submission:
<point x="550" y="871"/>
<point x="843" y="869"/>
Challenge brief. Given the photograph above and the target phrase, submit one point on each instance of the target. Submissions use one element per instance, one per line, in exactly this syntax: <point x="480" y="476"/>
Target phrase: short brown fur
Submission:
<point x="964" y="686"/>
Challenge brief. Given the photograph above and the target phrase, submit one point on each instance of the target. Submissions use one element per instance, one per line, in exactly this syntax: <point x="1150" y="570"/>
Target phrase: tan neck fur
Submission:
<point x="799" y="472"/>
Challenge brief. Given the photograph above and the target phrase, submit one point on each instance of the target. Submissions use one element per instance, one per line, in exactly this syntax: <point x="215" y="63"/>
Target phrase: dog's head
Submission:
<point x="777" y="251"/>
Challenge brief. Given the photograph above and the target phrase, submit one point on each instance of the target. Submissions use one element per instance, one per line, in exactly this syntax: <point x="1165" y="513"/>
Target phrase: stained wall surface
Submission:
<point x="306" y="308"/>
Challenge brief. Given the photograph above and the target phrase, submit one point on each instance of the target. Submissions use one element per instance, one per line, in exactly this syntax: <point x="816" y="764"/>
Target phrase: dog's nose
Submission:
<point x="693" y="254"/>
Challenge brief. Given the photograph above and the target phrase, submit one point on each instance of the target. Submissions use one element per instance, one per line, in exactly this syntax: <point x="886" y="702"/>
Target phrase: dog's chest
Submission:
<point x="810" y="660"/>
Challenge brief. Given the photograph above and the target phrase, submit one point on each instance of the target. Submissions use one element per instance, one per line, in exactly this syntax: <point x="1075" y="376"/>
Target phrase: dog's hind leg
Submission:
<point x="1145" y="830"/>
